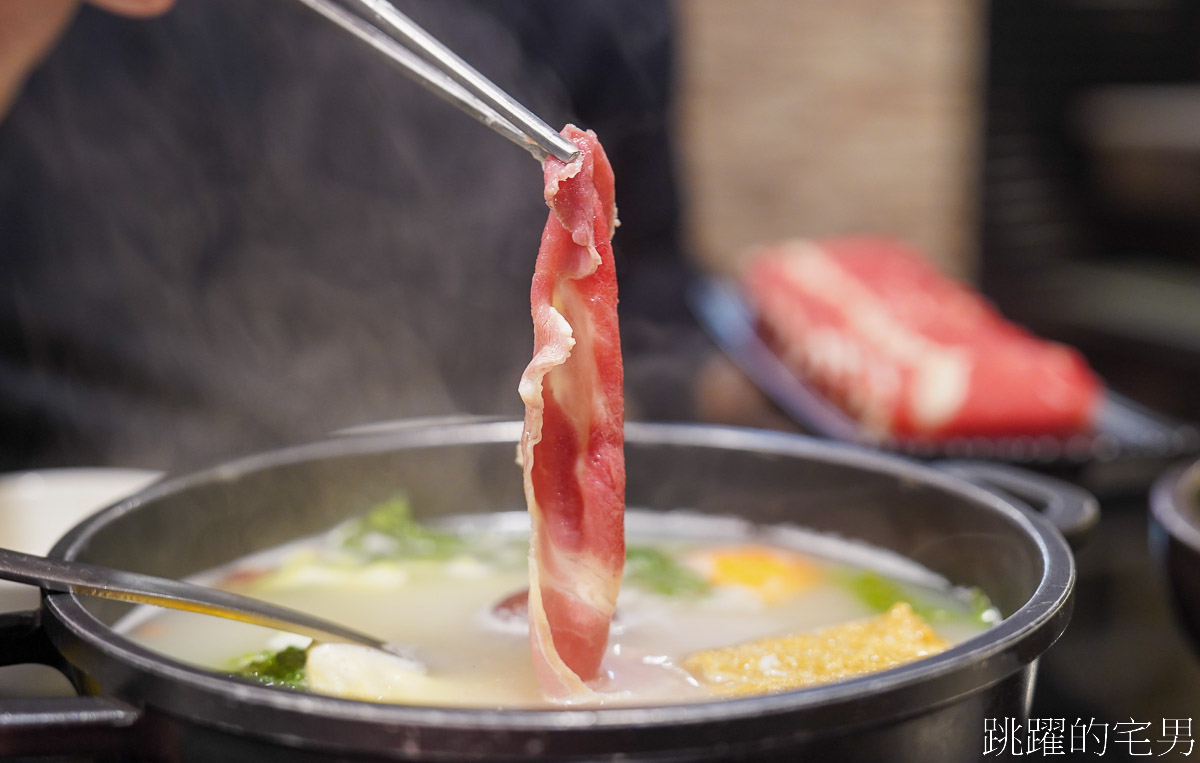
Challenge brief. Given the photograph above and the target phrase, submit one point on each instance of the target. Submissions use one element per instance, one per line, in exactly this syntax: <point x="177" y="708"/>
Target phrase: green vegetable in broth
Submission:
<point x="282" y="668"/>
<point x="657" y="571"/>
<point x="982" y="609"/>
<point x="881" y="593"/>
<point x="402" y="536"/>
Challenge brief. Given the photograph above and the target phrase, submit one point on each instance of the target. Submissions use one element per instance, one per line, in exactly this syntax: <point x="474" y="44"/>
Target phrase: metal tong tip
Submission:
<point x="439" y="70"/>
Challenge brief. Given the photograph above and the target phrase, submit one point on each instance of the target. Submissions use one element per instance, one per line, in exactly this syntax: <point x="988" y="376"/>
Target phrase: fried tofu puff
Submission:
<point x="810" y="659"/>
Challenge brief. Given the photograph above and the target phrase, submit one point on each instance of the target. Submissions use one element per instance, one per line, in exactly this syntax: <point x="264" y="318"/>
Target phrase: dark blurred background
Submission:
<point x="1091" y="185"/>
<point x="1090" y="189"/>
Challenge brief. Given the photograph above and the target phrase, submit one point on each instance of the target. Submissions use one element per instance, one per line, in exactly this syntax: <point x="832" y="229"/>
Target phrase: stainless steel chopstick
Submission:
<point x="443" y="73"/>
<point x="92" y="580"/>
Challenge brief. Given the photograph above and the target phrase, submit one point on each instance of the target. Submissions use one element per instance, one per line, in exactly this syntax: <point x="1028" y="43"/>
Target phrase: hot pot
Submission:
<point x="137" y="703"/>
<point x="1175" y="540"/>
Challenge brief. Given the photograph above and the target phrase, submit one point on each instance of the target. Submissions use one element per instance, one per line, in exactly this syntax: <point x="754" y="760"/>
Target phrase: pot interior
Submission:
<point x="185" y="526"/>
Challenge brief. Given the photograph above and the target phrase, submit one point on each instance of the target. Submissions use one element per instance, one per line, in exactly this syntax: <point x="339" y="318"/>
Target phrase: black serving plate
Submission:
<point x="1124" y="429"/>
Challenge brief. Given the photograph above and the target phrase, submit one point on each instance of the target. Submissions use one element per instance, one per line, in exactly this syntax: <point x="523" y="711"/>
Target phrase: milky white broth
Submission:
<point x="443" y="609"/>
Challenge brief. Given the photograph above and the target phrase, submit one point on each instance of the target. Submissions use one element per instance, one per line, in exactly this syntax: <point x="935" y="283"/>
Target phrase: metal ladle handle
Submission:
<point x="94" y="580"/>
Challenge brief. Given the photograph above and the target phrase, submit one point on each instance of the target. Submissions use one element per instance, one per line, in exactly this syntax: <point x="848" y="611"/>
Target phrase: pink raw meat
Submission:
<point x="572" y="445"/>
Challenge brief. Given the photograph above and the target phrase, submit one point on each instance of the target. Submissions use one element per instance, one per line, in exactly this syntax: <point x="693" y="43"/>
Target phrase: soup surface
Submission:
<point x="454" y="592"/>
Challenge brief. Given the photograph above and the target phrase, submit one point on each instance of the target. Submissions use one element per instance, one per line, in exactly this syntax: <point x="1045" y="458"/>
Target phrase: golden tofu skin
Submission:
<point x="820" y="657"/>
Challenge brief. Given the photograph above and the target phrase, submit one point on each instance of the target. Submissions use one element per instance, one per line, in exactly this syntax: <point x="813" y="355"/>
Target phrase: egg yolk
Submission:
<point x="772" y="574"/>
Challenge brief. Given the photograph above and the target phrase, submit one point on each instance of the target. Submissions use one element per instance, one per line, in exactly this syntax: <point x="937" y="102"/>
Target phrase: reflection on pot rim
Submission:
<point x="1175" y="503"/>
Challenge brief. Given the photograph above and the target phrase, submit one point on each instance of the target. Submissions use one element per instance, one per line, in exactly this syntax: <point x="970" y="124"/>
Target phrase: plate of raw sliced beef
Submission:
<point x="862" y="339"/>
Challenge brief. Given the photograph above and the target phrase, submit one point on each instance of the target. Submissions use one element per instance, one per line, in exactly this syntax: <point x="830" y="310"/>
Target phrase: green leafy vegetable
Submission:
<point x="982" y="608"/>
<point x="282" y="668"/>
<point x="657" y="571"/>
<point x="881" y="593"/>
<point x="874" y="590"/>
<point x="402" y="536"/>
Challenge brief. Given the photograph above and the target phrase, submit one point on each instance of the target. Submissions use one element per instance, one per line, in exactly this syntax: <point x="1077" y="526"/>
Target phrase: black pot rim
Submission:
<point x="969" y="666"/>
<point x="1174" y="504"/>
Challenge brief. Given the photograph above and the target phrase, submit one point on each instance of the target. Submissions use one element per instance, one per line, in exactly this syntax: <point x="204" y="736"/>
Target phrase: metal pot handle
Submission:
<point x="1071" y="509"/>
<point x="55" y="726"/>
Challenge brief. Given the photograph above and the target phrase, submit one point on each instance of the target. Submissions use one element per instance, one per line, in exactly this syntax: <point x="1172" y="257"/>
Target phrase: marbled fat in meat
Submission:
<point x="909" y="352"/>
<point x="572" y="446"/>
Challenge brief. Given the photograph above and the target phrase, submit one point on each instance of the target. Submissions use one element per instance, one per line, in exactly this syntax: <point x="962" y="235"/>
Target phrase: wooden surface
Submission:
<point x="814" y="118"/>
